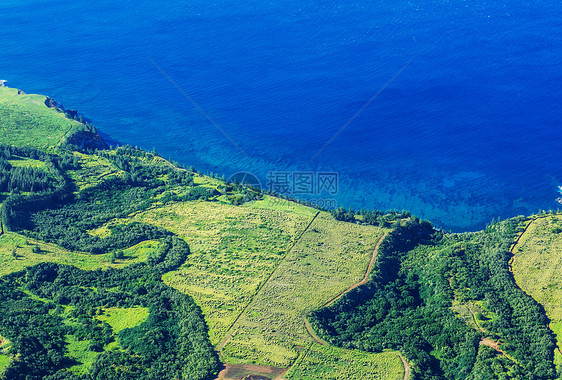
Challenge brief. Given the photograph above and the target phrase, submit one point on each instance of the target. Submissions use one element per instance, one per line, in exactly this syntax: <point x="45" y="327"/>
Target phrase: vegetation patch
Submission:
<point x="79" y="350"/>
<point x="67" y="319"/>
<point x="91" y="170"/>
<point x="233" y="251"/>
<point x="4" y="362"/>
<point x="330" y="257"/>
<point x="18" y="252"/>
<point x="537" y="268"/>
<point x="25" y="120"/>
<point x="425" y="280"/>
<point x="5" y="346"/>
<point x="123" y="318"/>
<point x="332" y="363"/>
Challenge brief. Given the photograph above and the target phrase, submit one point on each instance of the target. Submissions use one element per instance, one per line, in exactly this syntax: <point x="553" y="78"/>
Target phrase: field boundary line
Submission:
<point x="280" y="261"/>
<point x="297" y="361"/>
<point x="512" y="248"/>
<point x="313" y="334"/>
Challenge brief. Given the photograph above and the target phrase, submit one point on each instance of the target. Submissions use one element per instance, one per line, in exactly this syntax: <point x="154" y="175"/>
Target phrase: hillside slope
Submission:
<point x="30" y="120"/>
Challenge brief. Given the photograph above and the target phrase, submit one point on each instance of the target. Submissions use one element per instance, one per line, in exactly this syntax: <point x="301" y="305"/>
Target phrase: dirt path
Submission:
<point x="317" y="339"/>
<point x="523" y="233"/>
<point x="367" y="273"/>
<point x="490" y="343"/>
<point x="362" y="282"/>
<point x="407" y="368"/>
<point x="313" y="334"/>
<point x="297" y="240"/>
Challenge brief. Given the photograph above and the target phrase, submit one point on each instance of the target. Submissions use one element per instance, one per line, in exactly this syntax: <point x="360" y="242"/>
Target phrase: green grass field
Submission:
<point x="25" y="256"/>
<point x="93" y="169"/>
<point x="233" y="251"/>
<point x="236" y="249"/>
<point x="79" y="351"/>
<point x="331" y="363"/>
<point x="537" y="268"/>
<point x="24" y="162"/>
<point x="4" y="362"/>
<point x="25" y="120"/>
<point x="118" y="319"/>
<point x="5" y="345"/>
<point x="278" y="204"/>
<point x="123" y="318"/>
<point x="330" y="257"/>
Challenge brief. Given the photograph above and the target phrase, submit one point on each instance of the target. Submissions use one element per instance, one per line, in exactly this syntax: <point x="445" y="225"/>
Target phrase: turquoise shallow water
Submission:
<point x="467" y="132"/>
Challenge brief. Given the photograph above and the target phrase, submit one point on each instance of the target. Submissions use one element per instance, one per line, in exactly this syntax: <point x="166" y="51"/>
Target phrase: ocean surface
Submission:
<point x="449" y="109"/>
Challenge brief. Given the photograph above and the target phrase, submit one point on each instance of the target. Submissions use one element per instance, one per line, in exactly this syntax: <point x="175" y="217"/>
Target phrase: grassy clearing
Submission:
<point x="123" y="318"/>
<point x="331" y="257"/>
<point x="272" y="203"/>
<point x="23" y="162"/>
<point x="30" y="252"/>
<point x="233" y="251"/>
<point x="4" y="362"/>
<point x="79" y="351"/>
<point x="537" y="268"/>
<point x="93" y="170"/>
<point x="5" y="345"/>
<point x="327" y="362"/>
<point x="25" y="120"/>
<point x="118" y="319"/>
<point x="474" y="314"/>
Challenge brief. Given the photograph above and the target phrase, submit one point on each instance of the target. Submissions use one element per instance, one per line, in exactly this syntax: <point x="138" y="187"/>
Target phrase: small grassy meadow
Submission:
<point x="537" y="268"/>
<point x="25" y="120"/>
<point x="332" y="363"/>
<point x="18" y="252"/>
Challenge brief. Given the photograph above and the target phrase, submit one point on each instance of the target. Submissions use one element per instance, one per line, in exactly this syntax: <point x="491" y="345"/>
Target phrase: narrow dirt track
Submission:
<point x="492" y="344"/>
<point x="367" y="273"/>
<point x="317" y="339"/>
<point x="313" y="334"/>
<point x="523" y="233"/>
<point x="407" y="368"/>
<point x="362" y="282"/>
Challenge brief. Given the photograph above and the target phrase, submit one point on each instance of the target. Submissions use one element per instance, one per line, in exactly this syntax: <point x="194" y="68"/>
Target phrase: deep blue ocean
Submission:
<point x="468" y="130"/>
